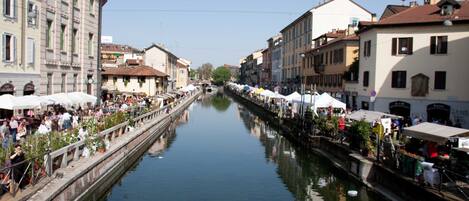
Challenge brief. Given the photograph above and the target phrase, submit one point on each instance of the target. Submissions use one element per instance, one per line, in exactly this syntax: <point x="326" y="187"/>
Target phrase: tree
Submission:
<point x="205" y="71"/>
<point x="193" y="74"/>
<point x="221" y="75"/>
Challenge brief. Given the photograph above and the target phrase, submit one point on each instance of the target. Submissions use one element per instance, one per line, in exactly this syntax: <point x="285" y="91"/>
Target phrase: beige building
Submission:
<point x="330" y="60"/>
<point x="183" y="67"/>
<point x="415" y="63"/>
<point x="298" y="35"/>
<point x="20" y="27"/>
<point x="163" y="60"/>
<point x="134" y="79"/>
<point x="70" y="45"/>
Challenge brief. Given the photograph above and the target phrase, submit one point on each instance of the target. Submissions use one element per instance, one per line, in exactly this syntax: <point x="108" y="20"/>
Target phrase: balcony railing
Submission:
<point x="319" y="68"/>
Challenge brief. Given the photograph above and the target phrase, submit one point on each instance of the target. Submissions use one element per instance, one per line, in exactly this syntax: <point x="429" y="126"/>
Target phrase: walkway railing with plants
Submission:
<point x="47" y="153"/>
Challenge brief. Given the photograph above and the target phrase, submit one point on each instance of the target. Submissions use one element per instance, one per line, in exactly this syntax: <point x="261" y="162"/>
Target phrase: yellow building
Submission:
<point x="326" y="65"/>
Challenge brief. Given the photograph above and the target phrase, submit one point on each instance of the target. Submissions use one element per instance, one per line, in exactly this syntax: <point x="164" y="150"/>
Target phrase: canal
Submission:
<point x="218" y="150"/>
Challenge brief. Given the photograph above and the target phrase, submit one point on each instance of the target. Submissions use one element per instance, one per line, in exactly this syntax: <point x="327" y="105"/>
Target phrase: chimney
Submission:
<point x="374" y="18"/>
<point x="413" y="4"/>
<point x="431" y="2"/>
<point x="350" y="30"/>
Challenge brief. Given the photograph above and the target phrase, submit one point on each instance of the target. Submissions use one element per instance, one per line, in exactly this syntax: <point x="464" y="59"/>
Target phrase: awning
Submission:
<point x="370" y="116"/>
<point x="434" y="132"/>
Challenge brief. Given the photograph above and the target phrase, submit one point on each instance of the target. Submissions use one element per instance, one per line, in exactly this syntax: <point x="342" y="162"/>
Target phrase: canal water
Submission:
<point x="218" y="150"/>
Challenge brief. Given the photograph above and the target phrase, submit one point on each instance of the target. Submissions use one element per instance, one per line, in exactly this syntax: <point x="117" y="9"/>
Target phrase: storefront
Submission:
<point x="439" y="113"/>
<point x="400" y="108"/>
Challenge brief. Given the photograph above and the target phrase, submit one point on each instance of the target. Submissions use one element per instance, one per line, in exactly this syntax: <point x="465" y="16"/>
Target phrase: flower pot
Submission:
<point x="101" y="150"/>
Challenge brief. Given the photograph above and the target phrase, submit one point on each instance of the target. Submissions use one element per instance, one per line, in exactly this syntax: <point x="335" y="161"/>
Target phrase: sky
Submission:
<point x="214" y="31"/>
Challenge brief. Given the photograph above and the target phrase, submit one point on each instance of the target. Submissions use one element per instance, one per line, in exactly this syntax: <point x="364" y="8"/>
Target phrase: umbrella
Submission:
<point x="27" y="102"/>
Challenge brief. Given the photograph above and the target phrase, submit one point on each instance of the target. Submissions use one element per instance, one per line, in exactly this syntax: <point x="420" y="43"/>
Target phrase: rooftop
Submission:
<point x="138" y="70"/>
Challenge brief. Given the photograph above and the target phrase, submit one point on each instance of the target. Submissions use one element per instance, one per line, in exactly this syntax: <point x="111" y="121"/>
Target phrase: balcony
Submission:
<point x="319" y="68"/>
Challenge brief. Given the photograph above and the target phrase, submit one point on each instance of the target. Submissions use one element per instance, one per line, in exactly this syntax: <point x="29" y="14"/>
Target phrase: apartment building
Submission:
<point x="114" y="55"/>
<point x="266" y="70"/>
<point x="414" y="63"/>
<point x="70" y="39"/>
<point x="277" y="64"/>
<point x="251" y="67"/>
<point x="20" y="28"/>
<point x="183" y="67"/>
<point x="327" y="64"/>
<point x="298" y="35"/>
<point x="163" y="60"/>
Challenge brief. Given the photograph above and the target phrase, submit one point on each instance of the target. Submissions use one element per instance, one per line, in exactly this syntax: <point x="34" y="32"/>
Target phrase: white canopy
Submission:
<point x="326" y="100"/>
<point x="267" y="93"/>
<point x="80" y="98"/>
<point x="27" y="102"/>
<point x="370" y="116"/>
<point x="188" y="88"/>
<point x="293" y="96"/>
<point x="6" y="102"/>
<point x="434" y="132"/>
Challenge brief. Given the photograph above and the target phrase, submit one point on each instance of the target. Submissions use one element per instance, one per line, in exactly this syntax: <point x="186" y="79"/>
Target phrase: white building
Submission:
<point x="20" y="47"/>
<point x="277" y="64"/>
<point x="415" y="63"/>
<point x="162" y="60"/>
<point x="182" y="78"/>
<point x="298" y="35"/>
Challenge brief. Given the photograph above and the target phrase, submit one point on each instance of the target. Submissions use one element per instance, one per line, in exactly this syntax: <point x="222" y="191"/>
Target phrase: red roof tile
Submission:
<point x="144" y="71"/>
<point x="426" y="14"/>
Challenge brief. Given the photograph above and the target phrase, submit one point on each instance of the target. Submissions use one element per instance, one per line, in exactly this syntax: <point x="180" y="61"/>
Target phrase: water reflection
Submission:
<point x="167" y="138"/>
<point x="307" y="176"/>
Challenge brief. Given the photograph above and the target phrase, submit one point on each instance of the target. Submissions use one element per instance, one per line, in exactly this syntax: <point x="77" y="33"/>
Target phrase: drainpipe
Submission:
<point x="24" y="17"/>
<point x="71" y="36"/>
<point x="98" y="70"/>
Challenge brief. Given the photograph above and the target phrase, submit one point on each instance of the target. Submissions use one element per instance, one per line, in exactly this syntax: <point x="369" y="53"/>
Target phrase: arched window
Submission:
<point x="7" y="89"/>
<point x="28" y="89"/>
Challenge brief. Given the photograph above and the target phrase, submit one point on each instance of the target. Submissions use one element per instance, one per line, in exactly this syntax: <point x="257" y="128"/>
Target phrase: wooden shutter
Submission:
<point x="433" y="45"/>
<point x="364" y="48"/>
<point x="14" y="8"/>
<point x="411" y="45"/>
<point x="14" y="48"/>
<point x="4" y="39"/>
<point x="444" y="44"/>
<point x="394" y="79"/>
<point x="394" y="46"/>
<point x="4" y="7"/>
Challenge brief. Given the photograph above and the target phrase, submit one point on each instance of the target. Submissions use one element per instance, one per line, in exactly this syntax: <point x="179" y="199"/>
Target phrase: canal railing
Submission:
<point x="62" y="158"/>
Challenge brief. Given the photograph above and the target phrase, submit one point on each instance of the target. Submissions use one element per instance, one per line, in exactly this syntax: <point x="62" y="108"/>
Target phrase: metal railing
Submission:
<point x="19" y="175"/>
<point x="61" y="158"/>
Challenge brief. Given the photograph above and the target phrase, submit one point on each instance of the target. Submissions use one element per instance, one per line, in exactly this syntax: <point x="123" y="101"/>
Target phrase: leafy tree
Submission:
<point x="221" y="75"/>
<point x="193" y="74"/>
<point x="205" y="71"/>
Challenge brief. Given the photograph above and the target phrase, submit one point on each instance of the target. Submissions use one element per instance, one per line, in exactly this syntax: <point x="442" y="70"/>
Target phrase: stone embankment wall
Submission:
<point x="90" y="178"/>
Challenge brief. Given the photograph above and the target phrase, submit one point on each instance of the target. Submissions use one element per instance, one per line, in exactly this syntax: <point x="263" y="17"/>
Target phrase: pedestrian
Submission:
<point x="13" y="128"/>
<point x="18" y="168"/>
<point x="5" y="134"/>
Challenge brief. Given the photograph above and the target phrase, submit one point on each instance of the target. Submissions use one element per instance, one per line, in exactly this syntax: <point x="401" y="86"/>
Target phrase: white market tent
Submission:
<point x="27" y="102"/>
<point x="370" y="116"/>
<point x="434" y="132"/>
<point x="267" y="93"/>
<point x="326" y="100"/>
<point x="291" y="97"/>
<point x="6" y="102"/>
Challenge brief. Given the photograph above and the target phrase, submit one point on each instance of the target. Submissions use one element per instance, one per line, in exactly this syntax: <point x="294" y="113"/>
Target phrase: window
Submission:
<point x="75" y="3"/>
<point x="62" y="86"/>
<point x="49" y="83"/>
<point x="74" y="41"/>
<point x="126" y="79"/>
<point x="114" y="80"/>
<point x="327" y="58"/>
<point x="365" y="105"/>
<point x="62" y="37"/>
<point x="367" y="48"/>
<point x="90" y="44"/>
<point x="366" y="78"/>
<point x="49" y="34"/>
<point x="31" y="54"/>
<point x="402" y="46"/>
<point x="399" y="79"/>
<point x="354" y="22"/>
<point x="9" y="8"/>
<point x="91" y="7"/>
<point x="419" y="85"/>
<point x="440" y="80"/>
<point x="75" y="82"/>
<point x="438" y="44"/>
<point x="9" y="48"/>
<point x="338" y="56"/>
<point x="32" y="14"/>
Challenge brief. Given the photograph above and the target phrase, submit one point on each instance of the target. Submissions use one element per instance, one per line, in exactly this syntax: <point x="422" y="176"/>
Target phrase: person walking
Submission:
<point x="13" y="128"/>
